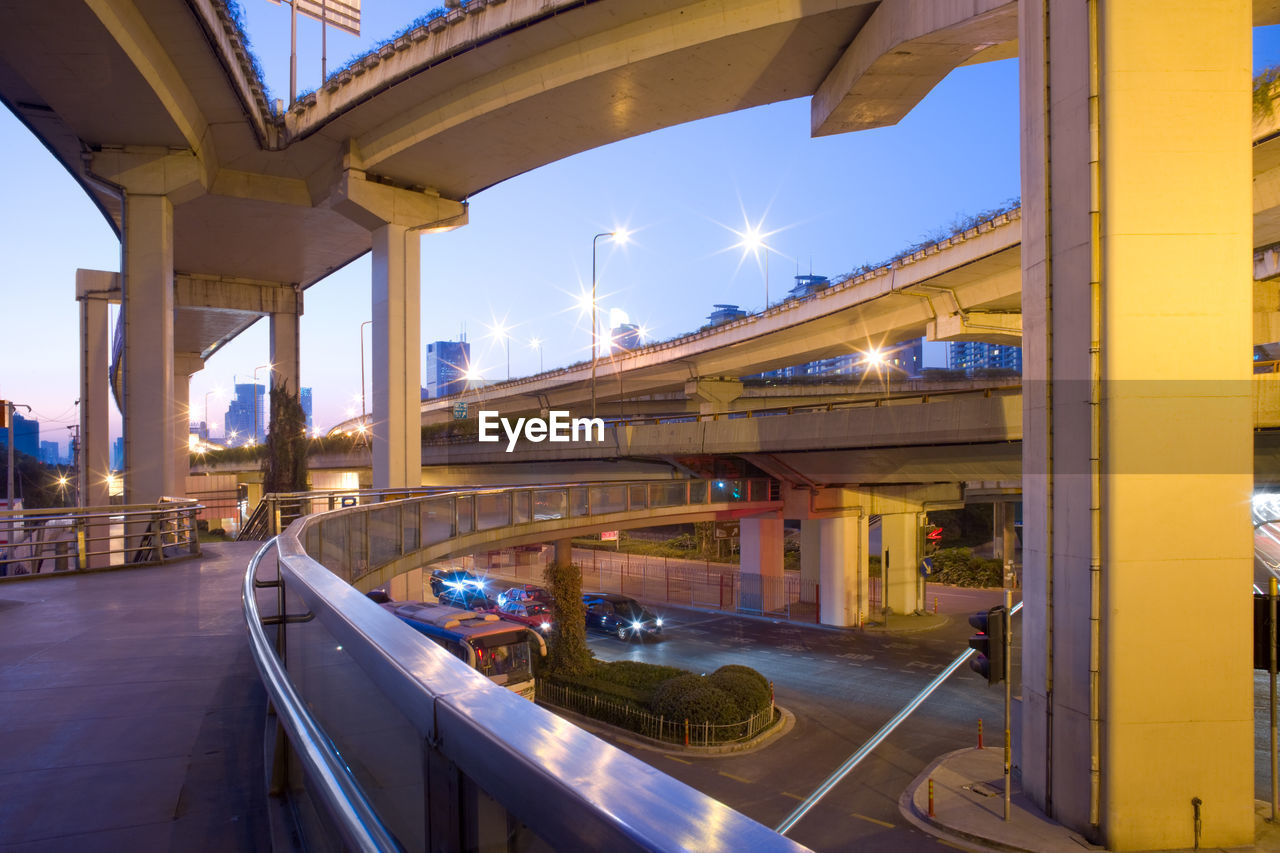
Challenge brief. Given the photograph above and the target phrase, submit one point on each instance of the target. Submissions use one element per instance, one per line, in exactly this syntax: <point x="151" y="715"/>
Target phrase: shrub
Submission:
<point x="693" y="698"/>
<point x="959" y="567"/>
<point x="749" y="689"/>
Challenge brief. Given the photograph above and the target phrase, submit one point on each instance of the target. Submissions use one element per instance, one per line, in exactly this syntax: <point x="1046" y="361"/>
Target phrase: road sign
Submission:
<point x="460" y="411"/>
<point x="608" y="536"/>
<point x="926" y="567"/>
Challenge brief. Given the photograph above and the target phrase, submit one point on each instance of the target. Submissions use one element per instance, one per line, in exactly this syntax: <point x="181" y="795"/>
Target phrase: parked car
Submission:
<point x="525" y="592"/>
<point x="535" y="614"/>
<point x="466" y="597"/>
<point x="621" y="616"/>
<point x="442" y="579"/>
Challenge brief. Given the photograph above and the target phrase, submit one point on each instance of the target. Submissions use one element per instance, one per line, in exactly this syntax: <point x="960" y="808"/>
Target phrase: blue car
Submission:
<point x="621" y="616"/>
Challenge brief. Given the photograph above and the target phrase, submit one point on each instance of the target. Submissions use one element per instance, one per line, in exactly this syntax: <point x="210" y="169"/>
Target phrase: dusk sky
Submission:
<point x="831" y="205"/>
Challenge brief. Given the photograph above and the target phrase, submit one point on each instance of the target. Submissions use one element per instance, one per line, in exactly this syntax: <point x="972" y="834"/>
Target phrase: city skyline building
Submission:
<point x="304" y="398"/>
<point x="26" y="436"/>
<point x="976" y="355"/>
<point x="447" y="366"/>
<point x="50" y="453"/>
<point x="241" y="418"/>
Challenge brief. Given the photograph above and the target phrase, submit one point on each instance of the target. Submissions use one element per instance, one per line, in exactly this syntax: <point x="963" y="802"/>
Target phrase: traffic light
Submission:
<point x="932" y="536"/>
<point x="989" y="642"/>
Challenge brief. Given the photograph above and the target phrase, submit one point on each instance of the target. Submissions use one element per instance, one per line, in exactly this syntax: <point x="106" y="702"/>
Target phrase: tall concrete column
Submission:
<point x="397" y="335"/>
<point x="95" y="290"/>
<point x="844" y="591"/>
<point x="900" y="561"/>
<point x="285" y="361"/>
<point x="810" y="555"/>
<point x="148" y="348"/>
<point x="184" y="365"/>
<point x="760" y="574"/>
<point x="1137" y="239"/>
<point x="564" y="552"/>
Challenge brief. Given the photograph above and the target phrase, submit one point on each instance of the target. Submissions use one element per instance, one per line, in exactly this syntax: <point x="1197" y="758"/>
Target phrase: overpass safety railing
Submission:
<point x="389" y="742"/>
<point x="55" y="541"/>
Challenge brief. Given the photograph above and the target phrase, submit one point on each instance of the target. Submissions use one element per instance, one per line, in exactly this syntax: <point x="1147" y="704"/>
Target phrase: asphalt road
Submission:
<point x="841" y="686"/>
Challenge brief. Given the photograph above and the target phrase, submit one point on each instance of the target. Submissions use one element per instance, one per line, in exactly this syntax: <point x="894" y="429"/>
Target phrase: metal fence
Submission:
<point x="49" y="541"/>
<point x="634" y="719"/>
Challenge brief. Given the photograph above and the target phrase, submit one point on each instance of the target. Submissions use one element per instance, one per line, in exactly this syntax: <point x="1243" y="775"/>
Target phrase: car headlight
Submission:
<point x="658" y="622"/>
<point x="636" y="626"/>
<point x="546" y="626"/>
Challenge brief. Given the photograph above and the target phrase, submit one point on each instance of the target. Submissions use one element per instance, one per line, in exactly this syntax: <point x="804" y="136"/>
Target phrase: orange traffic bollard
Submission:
<point x="979" y="733"/>
<point x="930" y="796"/>
<point x="935" y="605"/>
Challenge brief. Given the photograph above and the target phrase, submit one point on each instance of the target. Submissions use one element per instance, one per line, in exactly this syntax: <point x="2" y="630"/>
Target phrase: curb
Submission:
<point x="876" y="628"/>
<point x="786" y="721"/>
<point x="971" y="841"/>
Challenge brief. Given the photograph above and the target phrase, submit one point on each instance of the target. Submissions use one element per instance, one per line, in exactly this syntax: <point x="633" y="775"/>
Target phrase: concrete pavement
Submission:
<point x="127" y="700"/>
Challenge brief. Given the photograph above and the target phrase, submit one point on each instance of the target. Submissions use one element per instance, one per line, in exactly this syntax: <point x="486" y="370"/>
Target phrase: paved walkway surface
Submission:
<point x="126" y="703"/>
<point x="968" y="809"/>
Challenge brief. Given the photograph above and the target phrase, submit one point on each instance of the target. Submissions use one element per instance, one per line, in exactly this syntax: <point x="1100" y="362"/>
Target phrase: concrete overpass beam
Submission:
<point x="714" y="394"/>
<point x="905" y="49"/>
<point x="1002" y="329"/>
<point x="395" y="216"/>
<point x="221" y="293"/>
<point x="900" y="561"/>
<point x="1136" y="191"/>
<point x="760" y="575"/>
<point x="95" y="290"/>
<point x="148" y="348"/>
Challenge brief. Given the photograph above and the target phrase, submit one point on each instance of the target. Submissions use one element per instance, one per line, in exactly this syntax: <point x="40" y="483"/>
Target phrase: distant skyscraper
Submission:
<point x="50" y="453"/>
<point x="625" y="337"/>
<point x="26" y="433"/>
<point x="724" y="314"/>
<point x="304" y="397"/>
<point x="447" y="365"/>
<point x="240" y="417"/>
<point x="970" y="355"/>
<point x="117" y="454"/>
<point x="807" y="285"/>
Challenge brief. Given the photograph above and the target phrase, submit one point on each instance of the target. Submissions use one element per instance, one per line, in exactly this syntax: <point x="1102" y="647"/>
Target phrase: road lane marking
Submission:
<point x="793" y="796"/>
<point x="876" y="821"/>
<point x="681" y="760"/>
<point x="734" y="778"/>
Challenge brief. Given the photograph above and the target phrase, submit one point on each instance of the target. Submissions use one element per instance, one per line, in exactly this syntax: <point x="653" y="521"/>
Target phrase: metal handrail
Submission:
<point x="346" y="803"/>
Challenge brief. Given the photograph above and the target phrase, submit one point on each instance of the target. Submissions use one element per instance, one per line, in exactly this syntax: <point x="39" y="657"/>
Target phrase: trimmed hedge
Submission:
<point x="959" y="567"/>
<point x="694" y="698"/>
<point x="748" y="688"/>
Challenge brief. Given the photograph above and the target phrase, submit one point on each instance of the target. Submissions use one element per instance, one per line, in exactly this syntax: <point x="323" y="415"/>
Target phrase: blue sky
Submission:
<point x="833" y="203"/>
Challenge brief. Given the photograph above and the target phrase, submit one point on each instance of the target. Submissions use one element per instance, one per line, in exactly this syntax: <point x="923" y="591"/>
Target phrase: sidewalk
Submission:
<point x="132" y="711"/>
<point x="968" y="805"/>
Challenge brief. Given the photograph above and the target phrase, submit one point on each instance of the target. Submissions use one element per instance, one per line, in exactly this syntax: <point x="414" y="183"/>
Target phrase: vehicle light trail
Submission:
<point x="875" y="740"/>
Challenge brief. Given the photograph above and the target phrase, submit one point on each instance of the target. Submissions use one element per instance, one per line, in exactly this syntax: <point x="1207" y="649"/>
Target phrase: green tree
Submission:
<point x="284" y="465"/>
<point x="568" y="653"/>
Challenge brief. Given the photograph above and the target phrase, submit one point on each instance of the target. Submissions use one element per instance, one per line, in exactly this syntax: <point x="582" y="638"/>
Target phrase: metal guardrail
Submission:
<point x="445" y="759"/>
<point x="54" y="541"/>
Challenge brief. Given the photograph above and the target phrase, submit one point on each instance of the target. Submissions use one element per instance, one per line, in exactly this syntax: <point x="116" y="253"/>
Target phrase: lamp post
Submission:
<point x="753" y="241"/>
<point x="362" y="408"/>
<point x="268" y="368"/>
<point x="619" y="235"/>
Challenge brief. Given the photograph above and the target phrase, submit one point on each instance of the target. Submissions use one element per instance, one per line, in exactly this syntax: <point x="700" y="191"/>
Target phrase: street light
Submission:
<point x="499" y="331"/>
<point x="753" y="241"/>
<point x="619" y="235"/>
<point x="536" y="343"/>
<point x="218" y="392"/>
<point x="362" y="408"/>
<point x="268" y="368"/>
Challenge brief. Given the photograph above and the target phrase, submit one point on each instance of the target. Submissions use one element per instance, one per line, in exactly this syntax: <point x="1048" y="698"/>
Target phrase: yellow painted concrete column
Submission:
<point x="842" y="556"/>
<point x="95" y="289"/>
<point x="1137" y="453"/>
<point x="148" y="355"/>
<point x="184" y="365"/>
<point x="900" y="561"/>
<point x="397" y="354"/>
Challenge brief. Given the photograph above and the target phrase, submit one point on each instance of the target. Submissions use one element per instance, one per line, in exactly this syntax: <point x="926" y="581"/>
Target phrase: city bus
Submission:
<point x="499" y="649"/>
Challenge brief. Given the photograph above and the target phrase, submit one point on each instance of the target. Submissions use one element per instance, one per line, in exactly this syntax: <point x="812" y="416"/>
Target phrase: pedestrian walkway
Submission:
<point x="968" y="809"/>
<point x="131" y="711"/>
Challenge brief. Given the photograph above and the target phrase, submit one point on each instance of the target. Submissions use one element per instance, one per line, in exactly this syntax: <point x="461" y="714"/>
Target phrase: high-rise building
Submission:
<point x="625" y="337"/>
<point x="970" y="355"/>
<point x="246" y="416"/>
<point x="304" y="397"/>
<point x="447" y="366"/>
<point x="26" y="436"/>
<point x="724" y="314"/>
<point x="117" y="453"/>
<point x="50" y="453"/>
<point x="807" y="285"/>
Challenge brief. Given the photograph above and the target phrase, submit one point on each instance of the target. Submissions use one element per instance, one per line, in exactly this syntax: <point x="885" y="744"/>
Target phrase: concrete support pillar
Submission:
<point x="810" y="555"/>
<point x="760" y="575"/>
<point x="715" y="394"/>
<point x="564" y="552"/>
<point x="95" y="290"/>
<point x="285" y="362"/>
<point x="844" y="587"/>
<point x="1137" y="235"/>
<point x="184" y="364"/>
<point x="900" y="561"/>
<point x="1006" y="538"/>
<point x="397" y="321"/>
<point x="148" y="348"/>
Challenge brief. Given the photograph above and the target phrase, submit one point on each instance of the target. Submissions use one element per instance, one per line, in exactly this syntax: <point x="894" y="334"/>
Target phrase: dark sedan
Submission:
<point x="466" y="598"/>
<point x="621" y="616"/>
<point x="442" y="579"/>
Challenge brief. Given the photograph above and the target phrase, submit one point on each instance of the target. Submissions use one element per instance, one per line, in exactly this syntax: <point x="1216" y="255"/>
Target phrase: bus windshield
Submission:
<point x="503" y="657"/>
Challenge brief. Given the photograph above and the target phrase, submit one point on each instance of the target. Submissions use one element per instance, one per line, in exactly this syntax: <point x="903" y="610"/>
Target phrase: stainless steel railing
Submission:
<point x="49" y="541"/>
